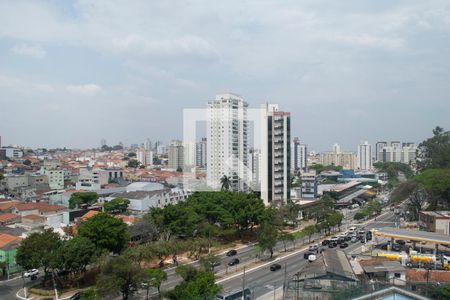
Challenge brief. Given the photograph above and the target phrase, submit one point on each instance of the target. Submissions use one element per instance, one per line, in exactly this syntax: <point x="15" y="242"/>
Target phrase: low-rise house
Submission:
<point x="34" y="220"/>
<point x="330" y="273"/>
<point x="435" y="221"/>
<point x="8" y="246"/>
<point x="9" y="218"/>
<point x="45" y="209"/>
<point x="384" y="270"/>
<point x="141" y="201"/>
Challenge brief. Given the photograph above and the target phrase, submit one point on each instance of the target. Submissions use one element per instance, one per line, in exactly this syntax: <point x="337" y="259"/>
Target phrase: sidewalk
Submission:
<point x="65" y="296"/>
<point x="276" y="294"/>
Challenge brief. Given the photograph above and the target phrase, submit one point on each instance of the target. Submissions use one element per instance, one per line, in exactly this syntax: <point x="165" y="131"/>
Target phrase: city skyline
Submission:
<point x="346" y="72"/>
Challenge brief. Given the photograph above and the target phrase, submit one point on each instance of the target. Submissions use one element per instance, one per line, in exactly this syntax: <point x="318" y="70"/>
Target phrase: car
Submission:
<point x="313" y="248"/>
<point x="307" y="254"/>
<point x="361" y="232"/>
<point x="334" y="239"/>
<point x="340" y="240"/>
<point x="233" y="262"/>
<point x="76" y="296"/>
<point x="275" y="267"/>
<point x="354" y="239"/>
<point x="347" y="238"/>
<point x="396" y="247"/>
<point x="325" y="242"/>
<point x="332" y="245"/>
<point x="232" y="252"/>
<point x="400" y="242"/>
<point x="312" y="258"/>
<point x="343" y="245"/>
<point x="29" y="273"/>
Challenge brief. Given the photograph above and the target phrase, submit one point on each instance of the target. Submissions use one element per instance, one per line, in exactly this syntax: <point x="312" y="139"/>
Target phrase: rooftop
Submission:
<point x="375" y="265"/>
<point x="413" y="235"/>
<point x="6" y="240"/>
<point x="437" y="214"/>
<point x="8" y="217"/>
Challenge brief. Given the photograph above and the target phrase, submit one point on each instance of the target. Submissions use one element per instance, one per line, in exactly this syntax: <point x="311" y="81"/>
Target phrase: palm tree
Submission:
<point x="225" y="182"/>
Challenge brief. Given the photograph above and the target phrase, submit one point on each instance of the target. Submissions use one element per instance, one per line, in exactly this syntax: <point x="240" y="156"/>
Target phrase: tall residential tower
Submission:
<point x="227" y="141"/>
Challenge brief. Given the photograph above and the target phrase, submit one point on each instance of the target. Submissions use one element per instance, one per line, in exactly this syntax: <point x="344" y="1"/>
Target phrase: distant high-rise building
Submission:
<point x="254" y="163"/>
<point x="337" y="157"/>
<point x="364" y="156"/>
<point x="227" y="141"/>
<point x="300" y="155"/>
<point x="176" y="155"/>
<point x="275" y="154"/>
<point x="200" y="153"/>
<point x="144" y="156"/>
<point x="336" y="148"/>
<point x="378" y="147"/>
<point x="397" y="152"/>
<point x="148" y="145"/>
<point x="102" y="142"/>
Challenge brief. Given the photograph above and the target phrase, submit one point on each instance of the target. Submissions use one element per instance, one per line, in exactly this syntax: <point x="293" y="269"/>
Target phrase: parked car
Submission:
<point x="233" y="262"/>
<point x="396" y="247"/>
<point x="340" y="240"/>
<point x="313" y="247"/>
<point x="29" y="273"/>
<point x="275" y="267"/>
<point x="231" y="252"/>
<point x="343" y="245"/>
<point x="354" y="239"/>
<point x="325" y="242"/>
<point x="332" y="245"/>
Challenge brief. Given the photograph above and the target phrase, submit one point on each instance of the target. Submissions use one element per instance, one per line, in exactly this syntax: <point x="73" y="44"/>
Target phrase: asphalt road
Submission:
<point x="262" y="281"/>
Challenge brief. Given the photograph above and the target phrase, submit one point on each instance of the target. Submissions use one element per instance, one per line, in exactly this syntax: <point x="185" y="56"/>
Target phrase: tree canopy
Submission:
<point x="434" y="152"/>
<point x="116" y="205"/>
<point x="106" y="232"/>
<point x="79" y="198"/>
<point x="196" y="285"/>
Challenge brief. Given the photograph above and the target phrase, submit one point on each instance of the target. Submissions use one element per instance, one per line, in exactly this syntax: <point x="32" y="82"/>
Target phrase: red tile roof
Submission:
<point x="6" y="239"/>
<point x="34" y="217"/>
<point x="7" y="205"/>
<point x="8" y="217"/>
<point x="421" y="275"/>
<point x="89" y="214"/>
<point x="41" y="207"/>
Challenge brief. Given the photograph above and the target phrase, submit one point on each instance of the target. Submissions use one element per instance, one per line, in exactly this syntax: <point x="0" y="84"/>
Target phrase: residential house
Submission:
<point x="8" y="246"/>
<point x="8" y="218"/>
<point x="384" y="270"/>
<point x="435" y="221"/>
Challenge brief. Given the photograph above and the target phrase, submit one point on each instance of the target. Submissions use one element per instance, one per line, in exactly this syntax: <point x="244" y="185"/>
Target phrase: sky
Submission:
<point x="74" y="72"/>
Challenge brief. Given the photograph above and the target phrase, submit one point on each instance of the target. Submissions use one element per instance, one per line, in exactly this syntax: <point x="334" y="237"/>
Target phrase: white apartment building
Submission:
<point x="364" y="156"/>
<point x="200" y="153"/>
<point x="275" y="154"/>
<point x="254" y="163"/>
<point x="346" y="159"/>
<point x="227" y="141"/>
<point x="144" y="156"/>
<point x="13" y="153"/>
<point x="378" y="147"/>
<point x="398" y="152"/>
<point x="300" y="155"/>
<point x="55" y="178"/>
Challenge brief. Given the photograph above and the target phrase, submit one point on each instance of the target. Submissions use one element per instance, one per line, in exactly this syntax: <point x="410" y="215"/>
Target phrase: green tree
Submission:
<point x="116" y="205"/>
<point x="209" y="261"/>
<point x="360" y="215"/>
<point x="133" y="163"/>
<point x="39" y="250"/>
<point x="286" y="237"/>
<point x="309" y="231"/>
<point x="79" y="198"/>
<point x="434" y="153"/>
<point x="154" y="278"/>
<point x="335" y="219"/>
<point x="267" y="238"/>
<point x="119" y="275"/>
<point x="132" y="154"/>
<point x="437" y="183"/>
<point x="198" y="285"/>
<point x="440" y="292"/>
<point x="106" y="232"/>
<point x="225" y="183"/>
<point x="27" y="162"/>
<point x="77" y="253"/>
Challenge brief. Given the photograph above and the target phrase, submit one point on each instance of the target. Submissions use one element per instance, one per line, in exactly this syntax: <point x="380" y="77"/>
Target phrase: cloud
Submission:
<point x="34" y="51"/>
<point x="84" y="89"/>
<point x="185" y="45"/>
<point x="371" y="41"/>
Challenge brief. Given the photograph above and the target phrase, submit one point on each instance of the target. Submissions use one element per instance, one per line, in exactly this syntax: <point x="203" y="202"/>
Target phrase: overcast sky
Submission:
<point x="73" y="72"/>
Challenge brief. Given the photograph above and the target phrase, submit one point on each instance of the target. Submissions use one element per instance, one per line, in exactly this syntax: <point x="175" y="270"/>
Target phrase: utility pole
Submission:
<point x="243" y="285"/>
<point x="284" y="281"/>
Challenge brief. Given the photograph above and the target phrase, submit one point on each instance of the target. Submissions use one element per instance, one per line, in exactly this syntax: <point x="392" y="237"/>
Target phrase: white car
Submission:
<point x="29" y="273"/>
<point x="312" y="258"/>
